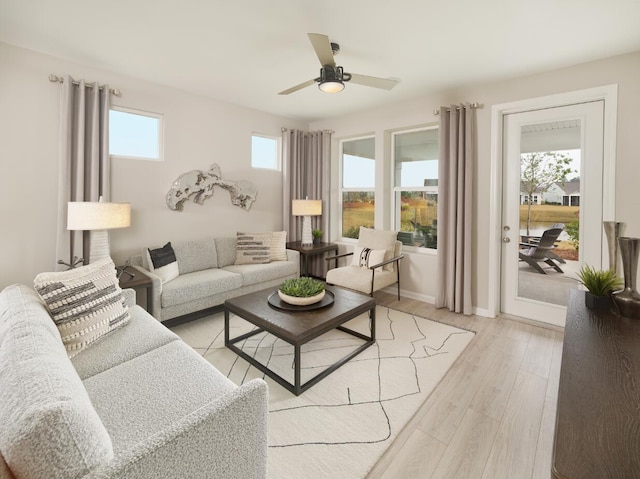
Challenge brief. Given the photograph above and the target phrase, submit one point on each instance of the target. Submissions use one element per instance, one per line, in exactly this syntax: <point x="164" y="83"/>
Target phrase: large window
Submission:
<point x="415" y="161"/>
<point x="135" y="134"/>
<point x="264" y="152"/>
<point x="358" y="185"/>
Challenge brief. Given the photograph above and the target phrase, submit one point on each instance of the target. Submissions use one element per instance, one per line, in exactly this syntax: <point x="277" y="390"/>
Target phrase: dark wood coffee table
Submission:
<point x="299" y="327"/>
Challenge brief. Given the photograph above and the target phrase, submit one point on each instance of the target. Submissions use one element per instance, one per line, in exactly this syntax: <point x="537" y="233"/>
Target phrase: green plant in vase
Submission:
<point x="317" y="235"/>
<point x="301" y="291"/>
<point x="600" y="284"/>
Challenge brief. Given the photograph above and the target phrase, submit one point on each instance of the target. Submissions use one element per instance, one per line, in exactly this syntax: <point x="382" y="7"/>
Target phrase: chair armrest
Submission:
<point x="392" y="260"/>
<point x="225" y="438"/>
<point x="155" y="291"/>
<point x="337" y="257"/>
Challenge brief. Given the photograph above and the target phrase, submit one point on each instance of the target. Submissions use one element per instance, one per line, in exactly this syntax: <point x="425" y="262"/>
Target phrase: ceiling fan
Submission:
<point x="332" y="77"/>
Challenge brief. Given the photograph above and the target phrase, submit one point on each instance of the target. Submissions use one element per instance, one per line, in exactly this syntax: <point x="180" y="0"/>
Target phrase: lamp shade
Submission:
<point x="306" y="207"/>
<point x="90" y="215"/>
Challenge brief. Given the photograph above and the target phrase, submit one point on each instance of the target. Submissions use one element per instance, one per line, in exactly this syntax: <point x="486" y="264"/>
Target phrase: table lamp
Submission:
<point x="306" y="208"/>
<point x="98" y="217"/>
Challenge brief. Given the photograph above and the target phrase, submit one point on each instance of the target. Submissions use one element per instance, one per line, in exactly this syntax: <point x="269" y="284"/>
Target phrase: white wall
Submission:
<point x="419" y="269"/>
<point x="198" y="131"/>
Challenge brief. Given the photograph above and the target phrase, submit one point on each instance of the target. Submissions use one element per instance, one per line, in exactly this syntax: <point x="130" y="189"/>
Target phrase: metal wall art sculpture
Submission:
<point x="200" y="185"/>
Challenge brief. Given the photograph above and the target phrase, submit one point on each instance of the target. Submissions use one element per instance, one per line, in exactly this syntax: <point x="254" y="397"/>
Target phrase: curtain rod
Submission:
<point x="330" y="132"/>
<point x="475" y="104"/>
<point x="56" y="79"/>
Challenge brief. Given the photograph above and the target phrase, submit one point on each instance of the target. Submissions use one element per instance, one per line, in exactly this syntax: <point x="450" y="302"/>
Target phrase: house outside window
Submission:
<point x="357" y="191"/>
<point x="415" y="187"/>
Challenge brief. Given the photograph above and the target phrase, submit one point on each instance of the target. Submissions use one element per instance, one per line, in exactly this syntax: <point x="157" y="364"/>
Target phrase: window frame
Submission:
<point x="396" y="214"/>
<point x="150" y="114"/>
<point x="342" y="189"/>
<point x="278" y="153"/>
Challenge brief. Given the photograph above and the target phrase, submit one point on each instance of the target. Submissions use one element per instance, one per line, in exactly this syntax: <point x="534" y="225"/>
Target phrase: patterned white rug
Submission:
<point x="342" y="425"/>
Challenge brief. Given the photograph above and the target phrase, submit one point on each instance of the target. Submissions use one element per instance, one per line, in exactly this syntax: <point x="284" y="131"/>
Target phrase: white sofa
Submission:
<point x="208" y="276"/>
<point x="138" y="403"/>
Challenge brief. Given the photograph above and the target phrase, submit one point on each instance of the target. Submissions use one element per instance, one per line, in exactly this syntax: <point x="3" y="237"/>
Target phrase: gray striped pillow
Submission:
<point x="253" y="248"/>
<point x="85" y="303"/>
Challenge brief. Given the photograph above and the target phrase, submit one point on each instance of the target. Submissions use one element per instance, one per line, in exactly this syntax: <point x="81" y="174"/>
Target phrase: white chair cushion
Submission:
<point x="359" y="279"/>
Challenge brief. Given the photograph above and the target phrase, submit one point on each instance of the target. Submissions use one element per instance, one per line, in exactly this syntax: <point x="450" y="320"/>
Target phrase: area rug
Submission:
<point x="341" y="426"/>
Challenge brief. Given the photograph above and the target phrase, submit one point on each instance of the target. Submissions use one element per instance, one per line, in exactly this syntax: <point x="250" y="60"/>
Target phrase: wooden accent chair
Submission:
<point x="375" y="265"/>
<point x="540" y="251"/>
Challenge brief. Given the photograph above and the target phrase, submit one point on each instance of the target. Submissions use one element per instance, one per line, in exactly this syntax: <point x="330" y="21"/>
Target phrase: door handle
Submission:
<point x="506" y="240"/>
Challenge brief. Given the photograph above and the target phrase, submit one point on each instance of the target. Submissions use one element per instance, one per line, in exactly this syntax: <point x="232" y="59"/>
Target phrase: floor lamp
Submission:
<point x="306" y="209"/>
<point x="97" y="217"/>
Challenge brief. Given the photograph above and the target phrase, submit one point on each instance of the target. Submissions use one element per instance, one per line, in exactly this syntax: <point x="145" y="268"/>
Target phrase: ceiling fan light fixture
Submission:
<point x="331" y="79"/>
<point x="331" y="86"/>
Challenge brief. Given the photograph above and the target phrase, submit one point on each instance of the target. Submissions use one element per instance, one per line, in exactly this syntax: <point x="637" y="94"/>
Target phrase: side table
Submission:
<point x="139" y="281"/>
<point x="311" y="250"/>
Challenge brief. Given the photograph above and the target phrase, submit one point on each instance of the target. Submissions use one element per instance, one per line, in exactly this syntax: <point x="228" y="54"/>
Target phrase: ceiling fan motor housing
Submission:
<point x="329" y="73"/>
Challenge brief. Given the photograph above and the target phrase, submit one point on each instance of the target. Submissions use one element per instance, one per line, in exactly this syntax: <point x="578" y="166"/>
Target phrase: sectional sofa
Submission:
<point x="136" y="403"/>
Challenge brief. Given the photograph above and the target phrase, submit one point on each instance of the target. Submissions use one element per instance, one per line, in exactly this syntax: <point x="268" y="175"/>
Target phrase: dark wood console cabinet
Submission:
<point x="598" y="417"/>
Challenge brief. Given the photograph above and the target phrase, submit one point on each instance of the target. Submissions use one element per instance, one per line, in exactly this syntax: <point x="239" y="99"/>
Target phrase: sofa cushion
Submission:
<point x="192" y="286"/>
<point x="85" y="303"/>
<point x="142" y="334"/>
<point x="259" y="273"/>
<point x="253" y="248"/>
<point x="163" y="263"/>
<point x="49" y="426"/>
<point x="155" y="389"/>
<point x="278" y="249"/>
<point x="196" y="255"/>
<point x="226" y="248"/>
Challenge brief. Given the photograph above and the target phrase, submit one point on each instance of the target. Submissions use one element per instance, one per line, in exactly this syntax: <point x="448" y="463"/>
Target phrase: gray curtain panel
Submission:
<point x="83" y="170"/>
<point x="306" y="168"/>
<point x="455" y="187"/>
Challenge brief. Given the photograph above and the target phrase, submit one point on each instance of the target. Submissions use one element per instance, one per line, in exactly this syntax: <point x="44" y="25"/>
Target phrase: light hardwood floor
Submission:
<point x="493" y="414"/>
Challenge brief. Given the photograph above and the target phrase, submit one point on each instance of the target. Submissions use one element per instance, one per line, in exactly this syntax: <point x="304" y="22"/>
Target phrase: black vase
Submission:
<point x="596" y="302"/>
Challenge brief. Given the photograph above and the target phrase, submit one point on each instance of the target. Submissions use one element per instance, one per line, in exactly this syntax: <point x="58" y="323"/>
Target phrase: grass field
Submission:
<point x="550" y="213"/>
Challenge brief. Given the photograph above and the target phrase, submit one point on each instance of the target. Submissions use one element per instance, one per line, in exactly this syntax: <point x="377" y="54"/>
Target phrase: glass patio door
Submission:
<point x="552" y="180"/>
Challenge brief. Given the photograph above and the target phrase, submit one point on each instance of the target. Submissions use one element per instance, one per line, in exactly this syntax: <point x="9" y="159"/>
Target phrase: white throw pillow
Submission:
<point x="85" y="303"/>
<point x="378" y="239"/>
<point x="163" y="263"/>
<point x="365" y="257"/>
<point x="279" y="246"/>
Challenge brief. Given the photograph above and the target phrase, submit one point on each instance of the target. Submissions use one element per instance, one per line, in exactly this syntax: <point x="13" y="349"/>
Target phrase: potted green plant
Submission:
<point x="600" y="284"/>
<point x="317" y="235"/>
<point x="301" y="291"/>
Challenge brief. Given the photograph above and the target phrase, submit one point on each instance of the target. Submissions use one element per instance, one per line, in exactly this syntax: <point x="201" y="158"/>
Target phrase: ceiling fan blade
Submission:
<point x="384" y="83"/>
<point x="322" y="46"/>
<point x="297" y="87"/>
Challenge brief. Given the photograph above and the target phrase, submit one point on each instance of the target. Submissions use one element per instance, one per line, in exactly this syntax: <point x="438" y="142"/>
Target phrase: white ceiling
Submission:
<point x="246" y="51"/>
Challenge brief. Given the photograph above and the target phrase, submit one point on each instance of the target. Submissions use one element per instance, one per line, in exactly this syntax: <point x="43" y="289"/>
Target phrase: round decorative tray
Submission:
<point x="275" y="302"/>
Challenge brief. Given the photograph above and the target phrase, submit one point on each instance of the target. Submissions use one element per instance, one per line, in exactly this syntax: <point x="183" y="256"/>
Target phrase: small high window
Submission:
<point x="264" y="152"/>
<point x="135" y="134"/>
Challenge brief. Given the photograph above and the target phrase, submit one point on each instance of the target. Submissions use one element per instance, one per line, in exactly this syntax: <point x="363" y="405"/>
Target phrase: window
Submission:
<point x="135" y="134"/>
<point x="415" y="191"/>
<point x="264" y="152"/>
<point x="358" y="185"/>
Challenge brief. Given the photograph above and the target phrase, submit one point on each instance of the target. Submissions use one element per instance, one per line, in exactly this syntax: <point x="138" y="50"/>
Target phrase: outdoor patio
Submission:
<point x="552" y="287"/>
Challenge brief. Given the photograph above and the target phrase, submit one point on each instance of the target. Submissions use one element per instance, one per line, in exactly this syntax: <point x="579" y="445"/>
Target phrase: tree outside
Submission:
<point x="540" y="170"/>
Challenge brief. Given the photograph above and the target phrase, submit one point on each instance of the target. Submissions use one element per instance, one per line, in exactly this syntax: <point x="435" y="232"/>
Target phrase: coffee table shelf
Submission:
<point x="298" y="328"/>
